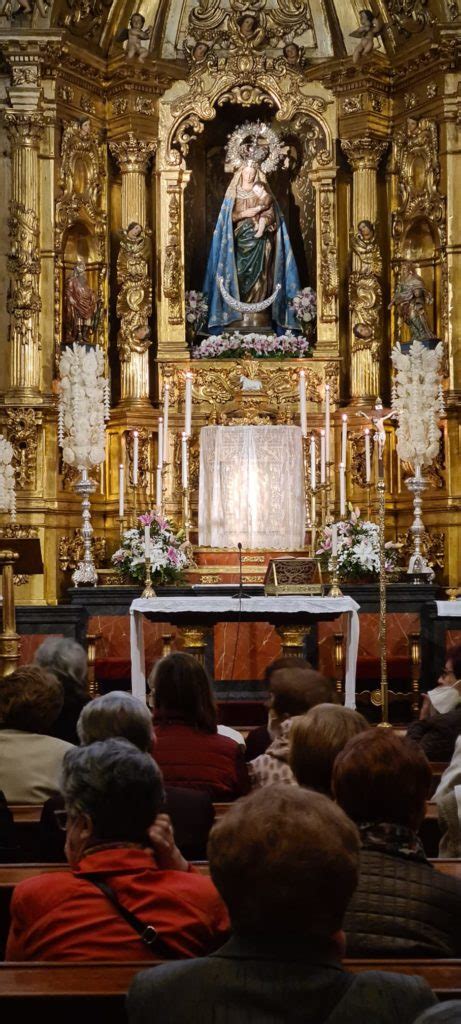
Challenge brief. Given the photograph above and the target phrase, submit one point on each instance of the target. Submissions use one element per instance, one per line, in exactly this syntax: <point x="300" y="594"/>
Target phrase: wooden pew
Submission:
<point x="444" y="976"/>
<point x="447" y="866"/>
<point x="25" y="813"/>
<point x="92" y="992"/>
<point x="96" y="992"/>
<point x="220" y="810"/>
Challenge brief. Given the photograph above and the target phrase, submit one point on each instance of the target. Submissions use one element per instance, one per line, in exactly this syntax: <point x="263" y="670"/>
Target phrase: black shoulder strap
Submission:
<point x="147" y="932"/>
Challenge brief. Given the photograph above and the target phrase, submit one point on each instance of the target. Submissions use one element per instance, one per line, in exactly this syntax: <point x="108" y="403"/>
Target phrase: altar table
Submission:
<point x="210" y="610"/>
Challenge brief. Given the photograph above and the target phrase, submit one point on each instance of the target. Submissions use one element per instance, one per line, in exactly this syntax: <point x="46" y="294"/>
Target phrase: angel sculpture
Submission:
<point x="133" y="37"/>
<point x="12" y="7"/>
<point x="370" y="27"/>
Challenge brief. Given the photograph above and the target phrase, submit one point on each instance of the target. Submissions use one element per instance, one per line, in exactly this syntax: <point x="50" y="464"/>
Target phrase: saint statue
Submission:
<point x="411" y="298"/>
<point x="81" y="306"/>
<point x="251" y="266"/>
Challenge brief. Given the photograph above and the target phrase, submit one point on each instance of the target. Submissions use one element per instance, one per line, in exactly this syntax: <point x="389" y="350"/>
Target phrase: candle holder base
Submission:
<point x="335" y="590"/>
<point x="148" y="588"/>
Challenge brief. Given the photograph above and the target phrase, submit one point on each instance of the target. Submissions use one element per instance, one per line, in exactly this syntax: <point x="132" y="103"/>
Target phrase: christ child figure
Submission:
<point x="136" y="34"/>
<point x="264" y="211"/>
<point x="370" y="27"/>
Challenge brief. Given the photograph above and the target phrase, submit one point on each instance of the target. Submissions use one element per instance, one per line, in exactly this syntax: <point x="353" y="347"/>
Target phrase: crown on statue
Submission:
<point x="254" y="154"/>
<point x="257" y="143"/>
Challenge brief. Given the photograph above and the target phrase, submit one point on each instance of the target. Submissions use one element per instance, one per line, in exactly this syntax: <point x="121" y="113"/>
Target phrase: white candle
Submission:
<point x="344" y="439"/>
<point x="160" y="442"/>
<point x="135" y="457"/>
<point x="147" y="542"/>
<point x="322" y="456"/>
<point x="184" y="473"/>
<point x="188" y="409"/>
<point x="158" y="490"/>
<point x="166" y="400"/>
<point x="121" y="490"/>
<point x="313" y="466"/>
<point x="302" y="403"/>
<point x="334" y="539"/>
<point x="327" y="423"/>
<point x="342" y="489"/>
<point x="367" y="456"/>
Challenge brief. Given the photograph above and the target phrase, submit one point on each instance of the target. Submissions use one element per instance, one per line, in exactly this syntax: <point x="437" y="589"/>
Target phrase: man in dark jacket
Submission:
<point x="285" y="861"/>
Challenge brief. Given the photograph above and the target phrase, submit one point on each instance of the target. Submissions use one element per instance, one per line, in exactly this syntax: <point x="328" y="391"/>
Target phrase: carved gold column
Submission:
<point x="364" y="153"/>
<point x="133" y="155"/>
<point x="171" y="326"/>
<point x="324" y="182"/>
<point x="9" y="639"/>
<point x="24" y="131"/>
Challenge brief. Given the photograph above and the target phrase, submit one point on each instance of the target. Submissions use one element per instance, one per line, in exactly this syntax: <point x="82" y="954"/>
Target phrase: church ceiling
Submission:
<point x="322" y="27"/>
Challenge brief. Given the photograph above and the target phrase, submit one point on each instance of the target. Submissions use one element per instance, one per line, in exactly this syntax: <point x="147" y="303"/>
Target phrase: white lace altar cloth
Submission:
<point x="287" y="608"/>
<point x="251" y="487"/>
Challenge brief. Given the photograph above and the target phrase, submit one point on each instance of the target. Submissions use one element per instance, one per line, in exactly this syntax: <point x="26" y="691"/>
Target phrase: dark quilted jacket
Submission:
<point x="437" y="736"/>
<point x="403" y="908"/>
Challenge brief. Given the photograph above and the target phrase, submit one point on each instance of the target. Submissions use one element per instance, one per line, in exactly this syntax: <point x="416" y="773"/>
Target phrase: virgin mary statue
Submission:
<point x="251" y="267"/>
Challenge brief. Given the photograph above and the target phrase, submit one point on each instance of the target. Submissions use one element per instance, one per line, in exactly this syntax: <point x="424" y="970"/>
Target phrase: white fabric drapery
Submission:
<point x="251" y="487"/>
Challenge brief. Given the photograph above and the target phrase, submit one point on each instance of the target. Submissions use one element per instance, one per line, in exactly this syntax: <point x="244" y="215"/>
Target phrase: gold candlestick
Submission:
<point x="148" y="588"/>
<point x="121" y="522"/>
<point x="381" y="489"/>
<point x="334" y="588"/>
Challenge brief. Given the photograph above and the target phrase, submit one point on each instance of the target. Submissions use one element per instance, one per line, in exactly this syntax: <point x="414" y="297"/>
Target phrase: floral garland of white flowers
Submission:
<point x="84" y="405"/>
<point x="417" y="398"/>
<point x="259" y="346"/>
<point x="7" y="481"/>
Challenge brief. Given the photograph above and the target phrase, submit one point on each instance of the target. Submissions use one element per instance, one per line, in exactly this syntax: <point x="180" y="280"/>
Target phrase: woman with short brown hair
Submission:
<point x="30" y="759"/>
<point x="315" y="740"/>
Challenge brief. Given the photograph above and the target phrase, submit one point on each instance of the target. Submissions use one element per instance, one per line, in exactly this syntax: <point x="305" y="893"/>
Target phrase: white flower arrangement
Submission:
<point x="417" y="399"/>
<point x="7" y="479"/>
<point x="167" y="555"/>
<point x="84" y="405"/>
<point x="358" y="548"/>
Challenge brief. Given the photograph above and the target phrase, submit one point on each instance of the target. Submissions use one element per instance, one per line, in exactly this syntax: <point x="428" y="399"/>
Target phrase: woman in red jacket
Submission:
<point x="187" y="746"/>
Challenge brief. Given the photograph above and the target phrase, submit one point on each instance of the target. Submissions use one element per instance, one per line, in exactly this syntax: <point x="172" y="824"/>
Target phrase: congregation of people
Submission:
<point x="252" y="866"/>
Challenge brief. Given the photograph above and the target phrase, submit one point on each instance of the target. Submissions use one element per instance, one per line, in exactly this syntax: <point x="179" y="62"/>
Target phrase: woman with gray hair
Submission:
<point x="116" y="714"/>
<point x="120" y="714"/>
<point x="129" y="893"/>
<point x="67" y="660"/>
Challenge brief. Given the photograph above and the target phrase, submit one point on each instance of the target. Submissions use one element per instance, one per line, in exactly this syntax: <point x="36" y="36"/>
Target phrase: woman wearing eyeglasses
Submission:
<point x="440" y="718"/>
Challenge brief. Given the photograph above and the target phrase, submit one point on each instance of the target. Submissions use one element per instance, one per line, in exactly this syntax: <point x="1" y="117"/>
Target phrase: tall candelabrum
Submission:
<point x="86" y="571"/>
<point x="418" y="565"/>
<point x="417" y="401"/>
<point x="381" y="490"/>
<point x="84" y="406"/>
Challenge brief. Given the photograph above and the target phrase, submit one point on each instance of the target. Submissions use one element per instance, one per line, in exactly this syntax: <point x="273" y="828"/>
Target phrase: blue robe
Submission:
<point x="221" y="260"/>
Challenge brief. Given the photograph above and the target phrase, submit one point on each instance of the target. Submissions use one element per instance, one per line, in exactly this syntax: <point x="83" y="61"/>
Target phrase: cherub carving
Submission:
<point x="370" y="27"/>
<point x="134" y="36"/>
<point x="12" y="7"/>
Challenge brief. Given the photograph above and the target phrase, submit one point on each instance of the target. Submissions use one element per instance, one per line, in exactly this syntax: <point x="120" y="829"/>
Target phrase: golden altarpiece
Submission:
<point x="110" y="122"/>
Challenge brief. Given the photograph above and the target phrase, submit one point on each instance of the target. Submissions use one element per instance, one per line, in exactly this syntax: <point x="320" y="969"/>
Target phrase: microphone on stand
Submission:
<point x="240" y="593"/>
